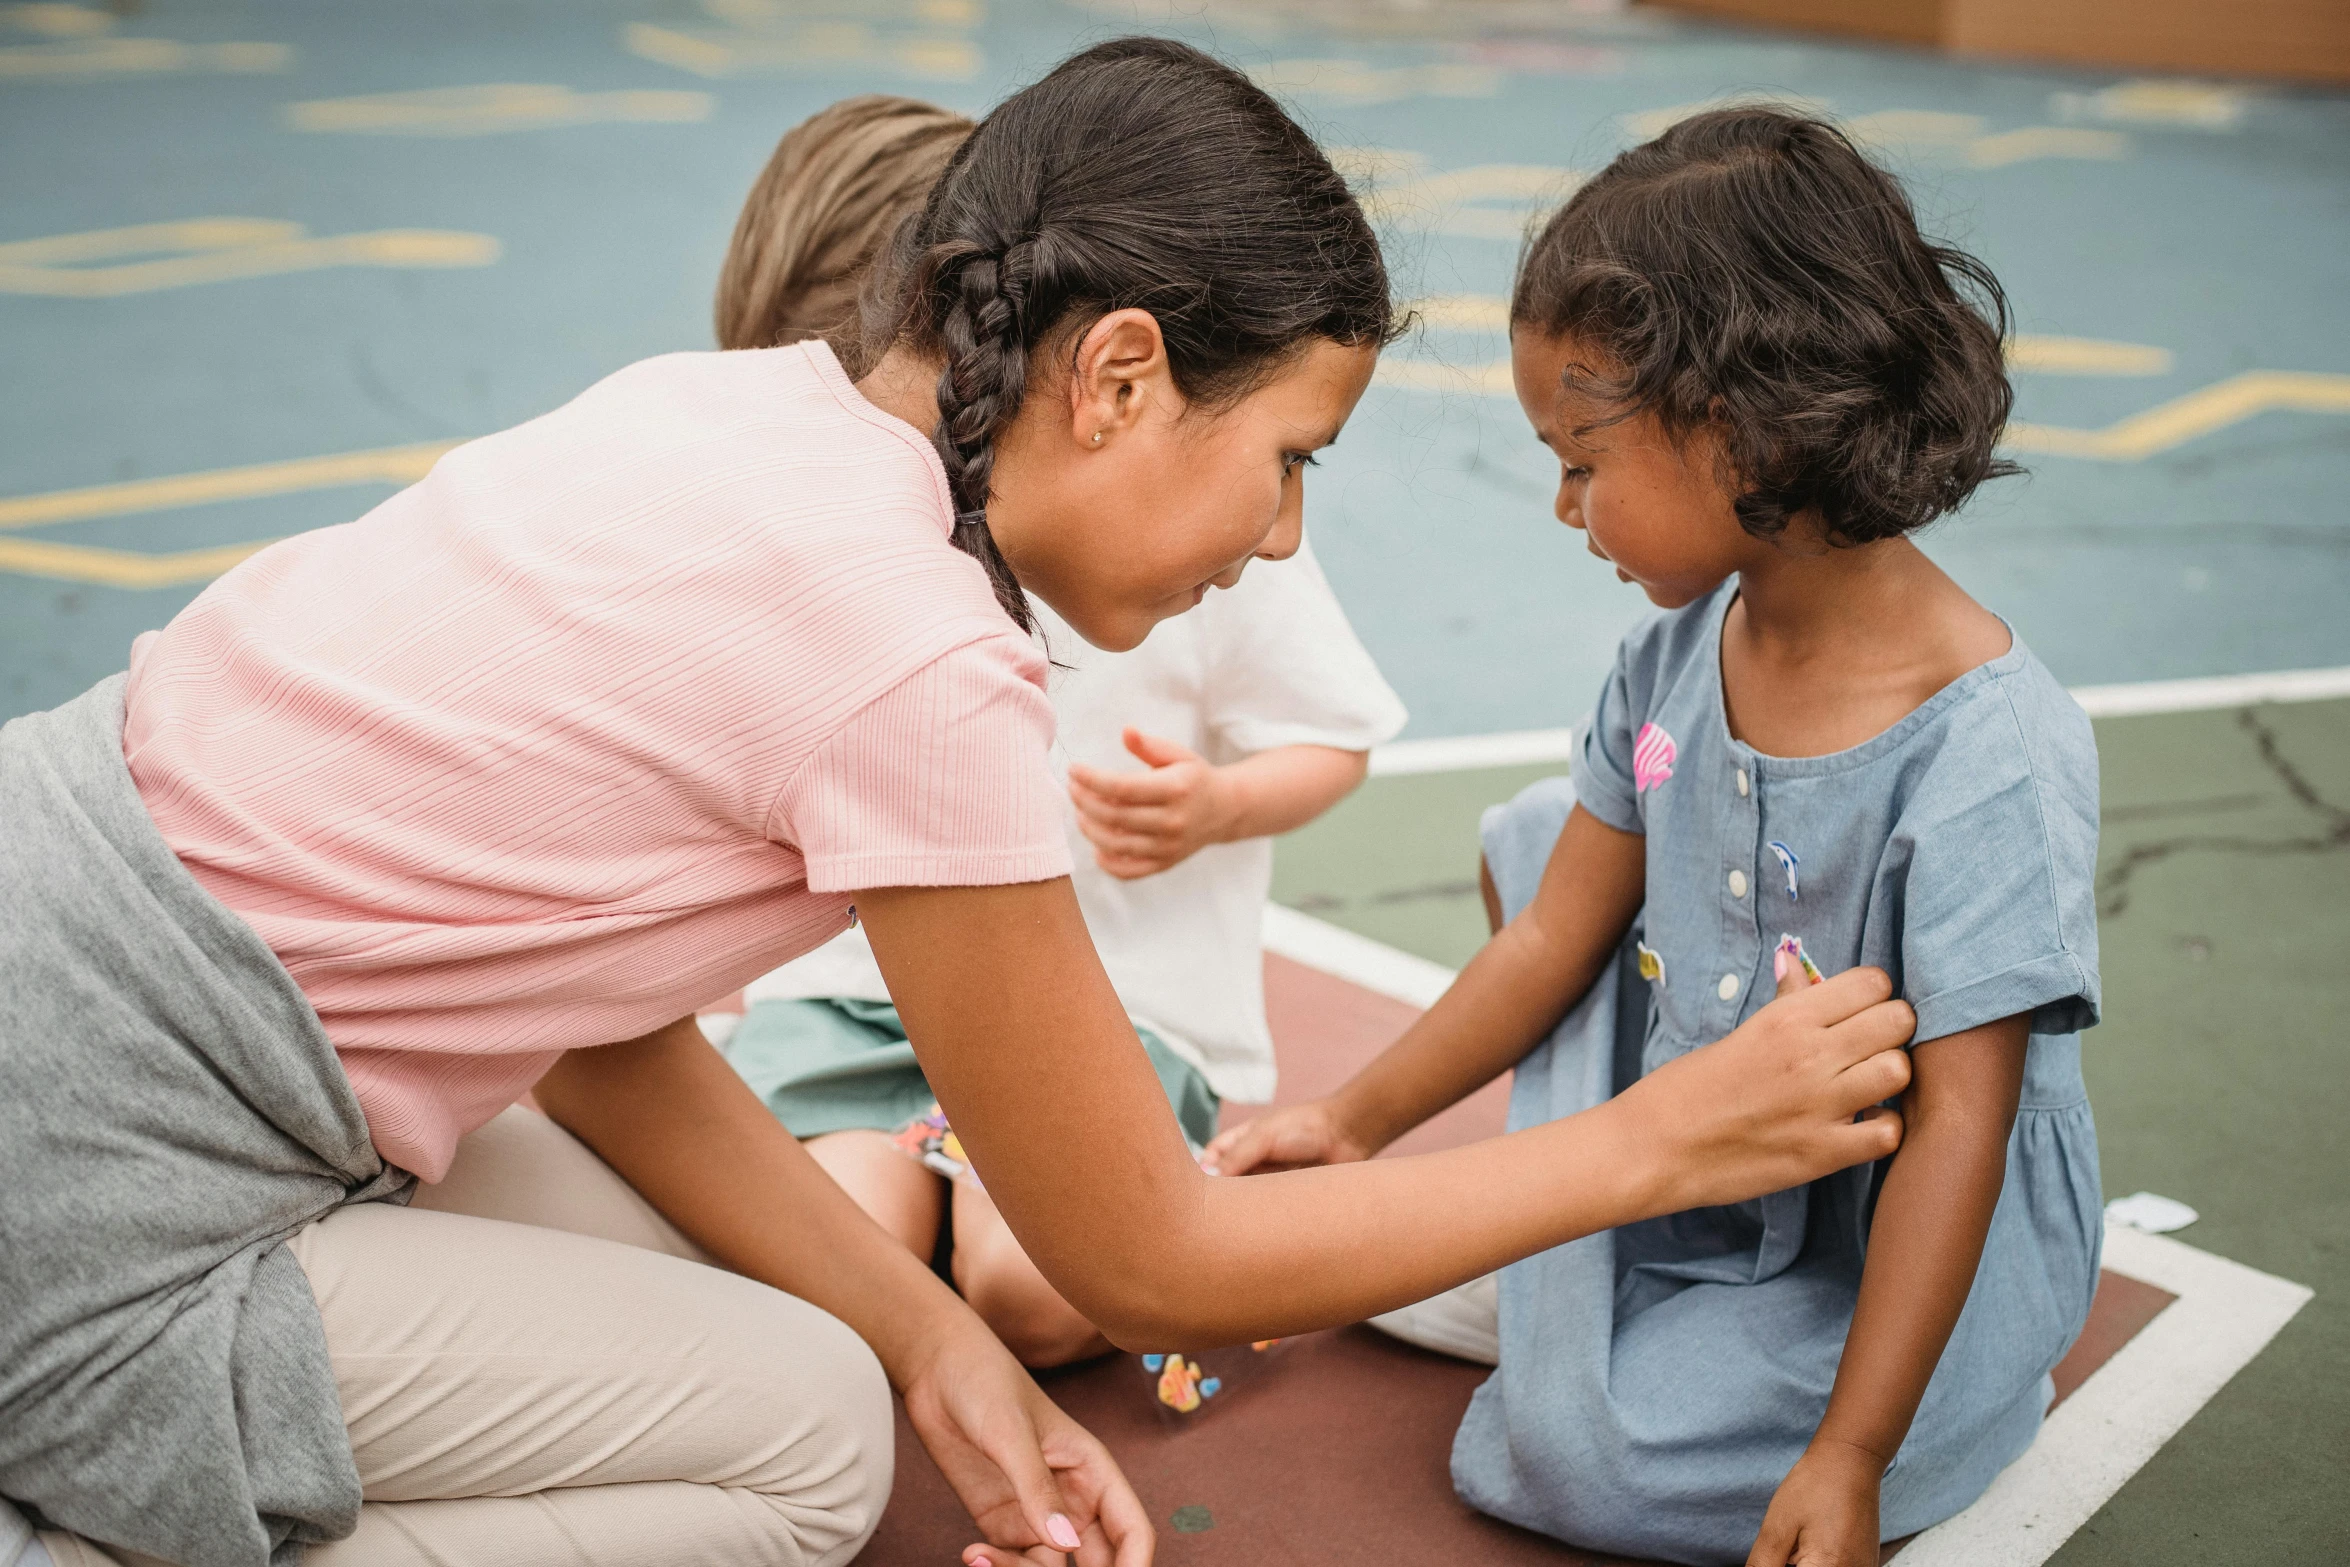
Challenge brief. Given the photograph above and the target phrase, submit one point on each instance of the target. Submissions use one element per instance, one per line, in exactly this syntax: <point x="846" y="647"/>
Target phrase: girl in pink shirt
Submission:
<point x="624" y="706"/>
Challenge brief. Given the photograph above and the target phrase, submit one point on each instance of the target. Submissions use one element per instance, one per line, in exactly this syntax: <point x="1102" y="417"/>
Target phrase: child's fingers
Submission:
<point x="1157" y="751"/>
<point x="1128" y="818"/>
<point x="1237" y="1151"/>
<point x="1126" y="845"/>
<point x="1134" y="788"/>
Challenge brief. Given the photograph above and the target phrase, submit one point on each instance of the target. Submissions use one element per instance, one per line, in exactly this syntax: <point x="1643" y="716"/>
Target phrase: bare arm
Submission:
<point x="1512" y="993"/>
<point x="1924" y="1244"/>
<point x="1140" y="823"/>
<point x="1514" y="990"/>
<point x="1033" y="1059"/>
<point x="674" y="1120"/>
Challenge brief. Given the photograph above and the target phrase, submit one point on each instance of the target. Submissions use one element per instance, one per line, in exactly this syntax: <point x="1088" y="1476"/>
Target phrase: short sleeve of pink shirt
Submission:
<point x="611" y="713"/>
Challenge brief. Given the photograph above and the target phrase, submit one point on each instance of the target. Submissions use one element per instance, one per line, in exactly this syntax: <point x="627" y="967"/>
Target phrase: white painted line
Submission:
<point x="1463" y="753"/>
<point x="1519" y="747"/>
<point x="2095" y="1440"/>
<point x="1374" y="965"/>
<point x="2188" y="696"/>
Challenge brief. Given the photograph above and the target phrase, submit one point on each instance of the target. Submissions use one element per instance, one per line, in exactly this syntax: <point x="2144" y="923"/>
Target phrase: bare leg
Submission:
<point x="903" y="1197"/>
<point x="1003" y="1286"/>
<point x="1491" y="894"/>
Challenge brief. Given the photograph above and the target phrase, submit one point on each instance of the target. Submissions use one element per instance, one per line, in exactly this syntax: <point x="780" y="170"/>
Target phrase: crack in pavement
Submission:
<point x="2113" y="881"/>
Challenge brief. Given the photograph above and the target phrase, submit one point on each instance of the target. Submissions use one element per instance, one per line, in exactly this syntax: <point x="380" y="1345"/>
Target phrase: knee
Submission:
<point x="835" y="1499"/>
<point x="1040" y="1328"/>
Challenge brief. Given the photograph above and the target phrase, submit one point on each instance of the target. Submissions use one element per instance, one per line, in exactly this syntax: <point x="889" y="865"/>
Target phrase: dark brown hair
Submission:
<point x="1750" y="272"/>
<point x="1139" y="174"/>
<point x="833" y="191"/>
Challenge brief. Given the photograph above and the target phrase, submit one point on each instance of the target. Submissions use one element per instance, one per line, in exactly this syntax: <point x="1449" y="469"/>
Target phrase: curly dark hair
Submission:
<point x="1750" y="271"/>
<point x="1139" y="173"/>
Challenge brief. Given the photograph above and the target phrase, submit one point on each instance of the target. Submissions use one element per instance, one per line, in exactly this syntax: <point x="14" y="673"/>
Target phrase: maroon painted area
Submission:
<point x="1340" y="1452"/>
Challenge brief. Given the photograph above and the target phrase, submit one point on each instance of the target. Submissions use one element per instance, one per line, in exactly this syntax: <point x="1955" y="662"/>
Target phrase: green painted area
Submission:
<point x="2220" y="1075"/>
<point x="1193" y="1520"/>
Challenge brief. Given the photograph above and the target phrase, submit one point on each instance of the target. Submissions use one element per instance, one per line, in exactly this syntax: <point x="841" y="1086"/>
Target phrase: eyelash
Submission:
<point x="1297" y="460"/>
<point x="1571" y="472"/>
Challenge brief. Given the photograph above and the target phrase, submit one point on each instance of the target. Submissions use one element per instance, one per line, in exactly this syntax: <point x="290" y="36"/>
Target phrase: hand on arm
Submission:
<point x="1927" y="1237"/>
<point x="675" y="1121"/>
<point x="1033" y="1059"/>
<point x="1143" y="823"/>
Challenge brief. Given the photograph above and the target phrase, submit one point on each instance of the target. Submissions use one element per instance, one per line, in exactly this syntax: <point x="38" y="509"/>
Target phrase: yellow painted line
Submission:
<point x="383" y="465"/>
<point x="120" y="568"/>
<point x="1463" y="312"/>
<point x="487" y="110"/>
<point x="2184" y="419"/>
<point x="668" y="46"/>
<point x="802" y="47"/>
<point x="230" y="261"/>
<point x="1490" y="379"/>
<point x="2085" y="356"/>
<point x="85" y="59"/>
<point x="2044" y="141"/>
<point x="55" y="19"/>
<point x="182" y="236"/>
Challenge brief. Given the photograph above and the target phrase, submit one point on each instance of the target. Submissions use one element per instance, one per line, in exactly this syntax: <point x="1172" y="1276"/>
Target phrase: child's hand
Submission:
<point x="1825" y="1512"/>
<point x="1286" y="1139"/>
<point x="1142" y="823"/>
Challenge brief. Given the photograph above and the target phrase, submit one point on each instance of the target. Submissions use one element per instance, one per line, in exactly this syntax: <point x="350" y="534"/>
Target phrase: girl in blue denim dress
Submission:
<point x="1823" y="764"/>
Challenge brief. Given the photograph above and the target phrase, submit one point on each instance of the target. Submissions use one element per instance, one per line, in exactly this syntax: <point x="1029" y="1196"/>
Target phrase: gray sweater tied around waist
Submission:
<point x="170" y="1113"/>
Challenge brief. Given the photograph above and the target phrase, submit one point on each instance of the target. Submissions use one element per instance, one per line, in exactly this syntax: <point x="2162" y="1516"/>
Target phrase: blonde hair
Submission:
<point x="835" y="189"/>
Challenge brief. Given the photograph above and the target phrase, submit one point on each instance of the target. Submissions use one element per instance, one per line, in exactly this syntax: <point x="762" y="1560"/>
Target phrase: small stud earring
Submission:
<point x="1097" y="437"/>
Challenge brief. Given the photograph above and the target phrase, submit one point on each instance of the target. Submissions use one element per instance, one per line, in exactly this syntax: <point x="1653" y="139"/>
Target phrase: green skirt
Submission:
<point x="837" y="1066"/>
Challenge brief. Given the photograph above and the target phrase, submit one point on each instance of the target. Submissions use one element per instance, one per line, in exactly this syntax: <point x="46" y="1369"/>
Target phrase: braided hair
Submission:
<point x="1139" y="174"/>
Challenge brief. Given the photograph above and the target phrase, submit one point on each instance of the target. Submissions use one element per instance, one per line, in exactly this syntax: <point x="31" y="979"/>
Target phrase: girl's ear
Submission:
<point x="1118" y="373"/>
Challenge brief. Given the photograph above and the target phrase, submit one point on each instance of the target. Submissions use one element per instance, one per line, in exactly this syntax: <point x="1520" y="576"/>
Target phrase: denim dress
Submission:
<point x="1658" y="1381"/>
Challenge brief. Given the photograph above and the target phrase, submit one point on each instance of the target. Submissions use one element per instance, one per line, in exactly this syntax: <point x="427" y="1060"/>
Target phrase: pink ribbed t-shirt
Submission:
<point x="610" y="714"/>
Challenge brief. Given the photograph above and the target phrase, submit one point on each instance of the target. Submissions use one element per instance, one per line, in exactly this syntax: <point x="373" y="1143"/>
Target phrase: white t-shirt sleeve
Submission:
<point x="1285" y="667"/>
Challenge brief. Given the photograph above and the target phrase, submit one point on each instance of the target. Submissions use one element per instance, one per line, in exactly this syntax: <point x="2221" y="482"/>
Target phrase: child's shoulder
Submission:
<point x="2008" y="723"/>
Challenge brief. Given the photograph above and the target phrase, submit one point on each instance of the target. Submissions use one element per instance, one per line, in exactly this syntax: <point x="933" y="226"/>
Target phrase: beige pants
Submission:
<point x="535" y="1371"/>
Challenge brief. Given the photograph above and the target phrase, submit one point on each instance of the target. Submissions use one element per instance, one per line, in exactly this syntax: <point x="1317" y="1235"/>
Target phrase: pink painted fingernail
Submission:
<point x="1062" y="1532"/>
<point x="1779" y="964"/>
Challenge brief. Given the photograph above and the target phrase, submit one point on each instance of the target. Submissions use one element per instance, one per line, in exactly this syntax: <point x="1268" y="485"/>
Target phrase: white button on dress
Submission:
<point x="1728" y="987"/>
<point x="1738" y="884"/>
<point x="1742" y="785"/>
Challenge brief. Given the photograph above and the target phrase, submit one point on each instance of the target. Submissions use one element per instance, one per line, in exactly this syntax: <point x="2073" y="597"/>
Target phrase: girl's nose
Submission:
<point x="1289" y="526"/>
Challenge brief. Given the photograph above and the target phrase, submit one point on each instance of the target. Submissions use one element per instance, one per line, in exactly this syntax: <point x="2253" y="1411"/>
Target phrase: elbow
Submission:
<point x="1156" y="1297"/>
<point x="1145" y="1314"/>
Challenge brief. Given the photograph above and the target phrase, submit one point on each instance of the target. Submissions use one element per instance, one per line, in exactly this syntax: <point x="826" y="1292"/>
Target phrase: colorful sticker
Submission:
<point x="1181" y="1387"/>
<point x="1653" y="753"/>
<point x="1790" y="951"/>
<point x="928" y="1140"/>
<point x="1652" y="962"/>
<point x="1787" y="863"/>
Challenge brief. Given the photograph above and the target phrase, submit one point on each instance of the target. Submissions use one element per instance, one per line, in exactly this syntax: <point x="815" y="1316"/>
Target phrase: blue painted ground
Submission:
<point x="2227" y="247"/>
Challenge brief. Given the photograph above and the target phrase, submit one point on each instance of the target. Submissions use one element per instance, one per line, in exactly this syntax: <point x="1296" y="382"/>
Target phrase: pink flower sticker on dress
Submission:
<point x="1653" y="752"/>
